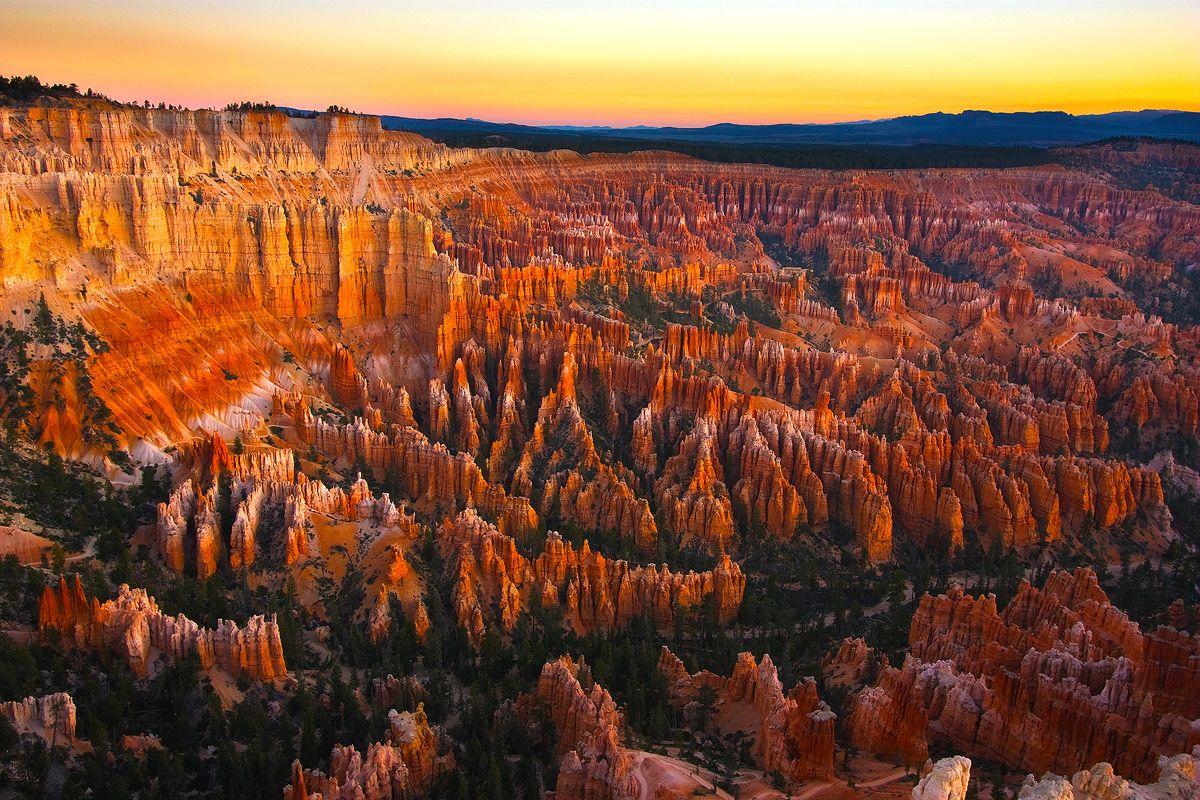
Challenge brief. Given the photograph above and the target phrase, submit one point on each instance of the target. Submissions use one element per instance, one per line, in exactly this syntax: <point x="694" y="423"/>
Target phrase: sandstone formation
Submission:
<point x="290" y="314"/>
<point x="282" y="507"/>
<point x="595" y="763"/>
<point x="188" y="526"/>
<point x="402" y="767"/>
<point x="494" y="583"/>
<point x="227" y="258"/>
<point x="1178" y="778"/>
<point x="52" y="717"/>
<point x="634" y="347"/>
<point x="1057" y="681"/>
<point x="432" y="477"/>
<point x="133" y="626"/>
<point x="27" y="546"/>
<point x="947" y="780"/>
<point x="853" y="664"/>
<point x="576" y="486"/>
<point x="793" y="732"/>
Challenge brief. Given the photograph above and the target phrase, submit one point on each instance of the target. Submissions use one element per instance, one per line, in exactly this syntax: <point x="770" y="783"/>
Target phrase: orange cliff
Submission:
<point x="201" y="191"/>
<point x="793" y="732"/>
<point x="494" y="583"/>
<point x="214" y="228"/>
<point x="132" y="625"/>
<point x="227" y="258"/>
<point x="595" y="763"/>
<point x="1058" y="681"/>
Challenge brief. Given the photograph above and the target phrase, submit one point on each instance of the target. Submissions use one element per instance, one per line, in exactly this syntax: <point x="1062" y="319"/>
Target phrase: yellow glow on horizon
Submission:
<point x="589" y="64"/>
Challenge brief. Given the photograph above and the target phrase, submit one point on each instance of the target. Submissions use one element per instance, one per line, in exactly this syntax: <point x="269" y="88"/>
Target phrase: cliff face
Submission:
<point x="1057" y="681"/>
<point x="133" y="626"/>
<point x="595" y="764"/>
<point x="199" y="193"/>
<point x="494" y="583"/>
<point x="794" y="735"/>
<point x="200" y="245"/>
<point x="98" y="137"/>
<point x="477" y="302"/>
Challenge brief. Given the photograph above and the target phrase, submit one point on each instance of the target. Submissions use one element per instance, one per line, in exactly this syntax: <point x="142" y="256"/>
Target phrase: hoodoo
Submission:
<point x="342" y="462"/>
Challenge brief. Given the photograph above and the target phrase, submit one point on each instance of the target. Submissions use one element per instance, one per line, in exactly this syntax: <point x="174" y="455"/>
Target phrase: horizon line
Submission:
<point x="196" y="104"/>
<point x="100" y="95"/>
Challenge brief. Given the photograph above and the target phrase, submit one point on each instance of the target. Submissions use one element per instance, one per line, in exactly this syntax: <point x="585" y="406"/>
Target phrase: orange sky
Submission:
<point x="622" y="62"/>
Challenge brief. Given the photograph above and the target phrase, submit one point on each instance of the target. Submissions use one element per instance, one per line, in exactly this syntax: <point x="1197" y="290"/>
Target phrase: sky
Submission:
<point x="621" y="62"/>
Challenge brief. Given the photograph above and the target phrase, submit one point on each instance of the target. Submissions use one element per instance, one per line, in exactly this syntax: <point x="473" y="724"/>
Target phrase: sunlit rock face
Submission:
<point x="1047" y="684"/>
<point x="495" y="584"/>
<point x="795" y="730"/>
<point x="133" y="626"/>
<point x="480" y="301"/>
<point x="585" y="389"/>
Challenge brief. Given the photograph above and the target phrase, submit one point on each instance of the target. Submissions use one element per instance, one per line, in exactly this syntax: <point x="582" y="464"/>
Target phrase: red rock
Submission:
<point x="853" y="664"/>
<point x="404" y="766"/>
<point x="577" y="486"/>
<point x="794" y="735"/>
<point x="1059" y="680"/>
<point x="493" y="581"/>
<point x="694" y="501"/>
<point x="345" y="383"/>
<point x="28" y="547"/>
<point x="595" y="763"/>
<point x="133" y="625"/>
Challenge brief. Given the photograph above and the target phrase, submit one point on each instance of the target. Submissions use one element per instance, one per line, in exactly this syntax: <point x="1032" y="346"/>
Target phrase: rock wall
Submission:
<point x="1057" y="681"/>
<point x="793" y="733"/>
<point x="133" y="626"/>
<point x="494" y="583"/>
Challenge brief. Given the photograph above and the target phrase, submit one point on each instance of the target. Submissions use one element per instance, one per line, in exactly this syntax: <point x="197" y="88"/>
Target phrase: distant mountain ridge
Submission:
<point x="983" y="128"/>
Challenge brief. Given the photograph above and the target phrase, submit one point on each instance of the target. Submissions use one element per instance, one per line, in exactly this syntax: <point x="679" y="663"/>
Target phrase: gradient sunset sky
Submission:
<point x="622" y="62"/>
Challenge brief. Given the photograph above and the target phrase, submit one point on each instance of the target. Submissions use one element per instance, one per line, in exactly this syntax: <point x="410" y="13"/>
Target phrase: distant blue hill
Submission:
<point x="979" y="128"/>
